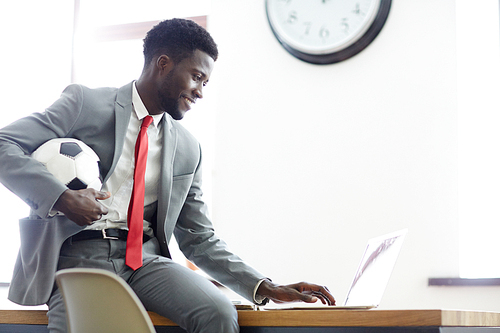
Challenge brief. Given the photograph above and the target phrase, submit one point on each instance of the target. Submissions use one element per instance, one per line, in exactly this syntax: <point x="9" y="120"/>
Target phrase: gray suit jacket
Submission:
<point x="99" y="117"/>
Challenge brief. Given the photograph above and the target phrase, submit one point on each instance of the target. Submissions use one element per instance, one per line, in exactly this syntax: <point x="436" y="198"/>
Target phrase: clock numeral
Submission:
<point x="357" y="10"/>
<point x="344" y="25"/>
<point x="292" y="17"/>
<point x="308" y="27"/>
<point x="324" y="32"/>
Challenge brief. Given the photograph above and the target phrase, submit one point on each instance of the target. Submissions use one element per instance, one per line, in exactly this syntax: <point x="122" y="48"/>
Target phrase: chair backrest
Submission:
<point x="99" y="301"/>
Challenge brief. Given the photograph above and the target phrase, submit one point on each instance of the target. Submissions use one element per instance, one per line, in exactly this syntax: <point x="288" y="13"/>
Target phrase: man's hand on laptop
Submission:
<point x="302" y="291"/>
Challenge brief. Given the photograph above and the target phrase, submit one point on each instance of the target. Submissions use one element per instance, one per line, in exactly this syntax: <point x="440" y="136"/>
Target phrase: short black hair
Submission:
<point x="178" y="39"/>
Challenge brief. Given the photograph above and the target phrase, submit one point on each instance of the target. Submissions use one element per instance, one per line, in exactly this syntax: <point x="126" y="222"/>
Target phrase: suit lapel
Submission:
<point x="166" y="177"/>
<point x="123" y="110"/>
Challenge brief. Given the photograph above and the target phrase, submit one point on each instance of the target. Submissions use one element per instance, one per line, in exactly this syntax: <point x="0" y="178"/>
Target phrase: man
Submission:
<point x="179" y="58"/>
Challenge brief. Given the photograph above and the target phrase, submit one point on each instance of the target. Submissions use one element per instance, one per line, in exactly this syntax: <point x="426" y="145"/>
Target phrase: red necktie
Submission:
<point x="133" y="257"/>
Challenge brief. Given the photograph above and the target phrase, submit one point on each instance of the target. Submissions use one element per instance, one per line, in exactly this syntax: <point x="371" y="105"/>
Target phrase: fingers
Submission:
<point x="101" y="195"/>
<point x="99" y="212"/>
<point x="305" y="292"/>
<point x="98" y="209"/>
<point x="315" y="292"/>
<point x="314" y="296"/>
<point x="81" y="206"/>
<point x="324" y="295"/>
<point x="324" y="298"/>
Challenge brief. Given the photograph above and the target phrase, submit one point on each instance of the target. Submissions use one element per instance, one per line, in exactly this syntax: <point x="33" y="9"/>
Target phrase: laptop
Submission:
<point x="372" y="275"/>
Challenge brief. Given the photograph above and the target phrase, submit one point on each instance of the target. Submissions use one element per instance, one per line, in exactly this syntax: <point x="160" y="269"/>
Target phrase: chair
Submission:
<point x="99" y="301"/>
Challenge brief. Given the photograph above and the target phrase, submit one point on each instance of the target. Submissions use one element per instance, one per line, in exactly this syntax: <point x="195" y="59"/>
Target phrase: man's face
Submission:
<point x="183" y="85"/>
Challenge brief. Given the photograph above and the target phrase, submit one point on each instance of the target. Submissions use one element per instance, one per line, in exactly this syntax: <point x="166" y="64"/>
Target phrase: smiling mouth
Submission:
<point x="188" y="100"/>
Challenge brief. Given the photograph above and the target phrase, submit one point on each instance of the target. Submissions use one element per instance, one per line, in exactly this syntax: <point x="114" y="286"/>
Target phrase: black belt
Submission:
<point x="116" y="234"/>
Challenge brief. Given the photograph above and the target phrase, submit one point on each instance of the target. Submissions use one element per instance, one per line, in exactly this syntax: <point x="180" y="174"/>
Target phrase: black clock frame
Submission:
<point x="351" y="50"/>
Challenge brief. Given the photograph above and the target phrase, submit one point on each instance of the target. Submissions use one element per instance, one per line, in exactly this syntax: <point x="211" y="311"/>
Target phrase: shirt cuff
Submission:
<point x="258" y="299"/>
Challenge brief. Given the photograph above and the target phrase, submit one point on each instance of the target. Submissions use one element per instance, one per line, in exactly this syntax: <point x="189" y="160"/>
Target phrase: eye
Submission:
<point x="198" y="78"/>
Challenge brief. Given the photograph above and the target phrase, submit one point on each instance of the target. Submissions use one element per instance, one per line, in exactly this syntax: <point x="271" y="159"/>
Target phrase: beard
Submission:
<point x="168" y="104"/>
<point x="171" y="106"/>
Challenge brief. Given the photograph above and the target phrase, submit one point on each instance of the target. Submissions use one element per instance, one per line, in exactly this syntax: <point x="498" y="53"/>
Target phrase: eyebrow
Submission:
<point x="199" y="71"/>
<point x="202" y="73"/>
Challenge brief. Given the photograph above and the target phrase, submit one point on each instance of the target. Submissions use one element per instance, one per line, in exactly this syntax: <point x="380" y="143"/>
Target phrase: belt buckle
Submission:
<point x="105" y="236"/>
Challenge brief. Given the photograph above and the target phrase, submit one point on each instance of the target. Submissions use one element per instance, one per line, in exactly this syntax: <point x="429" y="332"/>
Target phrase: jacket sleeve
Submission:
<point x="23" y="175"/>
<point x="198" y="241"/>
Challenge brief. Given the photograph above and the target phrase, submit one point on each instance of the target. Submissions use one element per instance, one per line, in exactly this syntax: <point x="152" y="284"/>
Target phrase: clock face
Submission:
<point x="325" y="27"/>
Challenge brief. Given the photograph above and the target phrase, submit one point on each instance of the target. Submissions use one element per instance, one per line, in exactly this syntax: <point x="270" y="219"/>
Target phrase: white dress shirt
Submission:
<point x="121" y="181"/>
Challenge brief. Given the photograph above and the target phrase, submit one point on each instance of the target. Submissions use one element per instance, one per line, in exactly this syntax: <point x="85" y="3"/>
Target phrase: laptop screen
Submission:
<point x="375" y="269"/>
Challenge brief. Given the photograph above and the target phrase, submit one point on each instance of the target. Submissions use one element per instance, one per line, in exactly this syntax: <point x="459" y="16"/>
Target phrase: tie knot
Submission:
<point x="147" y="121"/>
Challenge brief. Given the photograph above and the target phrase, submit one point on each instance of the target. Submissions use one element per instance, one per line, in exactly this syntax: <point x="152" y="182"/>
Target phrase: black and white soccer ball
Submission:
<point x="71" y="161"/>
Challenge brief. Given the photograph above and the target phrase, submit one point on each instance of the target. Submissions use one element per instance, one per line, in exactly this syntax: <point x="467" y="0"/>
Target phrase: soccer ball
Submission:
<point x="71" y="161"/>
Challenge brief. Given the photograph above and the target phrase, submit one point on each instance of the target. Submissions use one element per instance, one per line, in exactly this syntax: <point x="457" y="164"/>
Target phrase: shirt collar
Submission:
<point x="141" y="111"/>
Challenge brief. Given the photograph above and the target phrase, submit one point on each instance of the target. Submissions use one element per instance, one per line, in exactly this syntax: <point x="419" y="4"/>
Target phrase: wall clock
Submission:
<point x="326" y="31"/>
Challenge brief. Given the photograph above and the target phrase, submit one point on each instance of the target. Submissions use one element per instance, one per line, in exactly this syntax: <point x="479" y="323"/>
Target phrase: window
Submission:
<point x="35" y="65"/>
<point x="478" y="61"/>
<point x="94" y="43"/>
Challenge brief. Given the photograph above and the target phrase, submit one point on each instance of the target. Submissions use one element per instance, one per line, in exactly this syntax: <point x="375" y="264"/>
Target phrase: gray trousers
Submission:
<point x="163" y="286"/>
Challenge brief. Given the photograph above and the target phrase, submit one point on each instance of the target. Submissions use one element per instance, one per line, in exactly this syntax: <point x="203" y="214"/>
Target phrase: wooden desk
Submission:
<point x="308" y="321"/>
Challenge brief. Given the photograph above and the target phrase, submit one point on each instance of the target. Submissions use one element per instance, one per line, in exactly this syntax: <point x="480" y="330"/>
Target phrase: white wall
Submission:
<point x="311" y="161"/>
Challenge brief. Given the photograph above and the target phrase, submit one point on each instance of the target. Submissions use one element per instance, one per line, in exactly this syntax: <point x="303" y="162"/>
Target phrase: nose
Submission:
<point x="198" y="91"/>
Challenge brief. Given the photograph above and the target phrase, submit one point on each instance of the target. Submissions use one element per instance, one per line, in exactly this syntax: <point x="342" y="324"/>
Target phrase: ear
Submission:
<point x="164" y="63"/>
